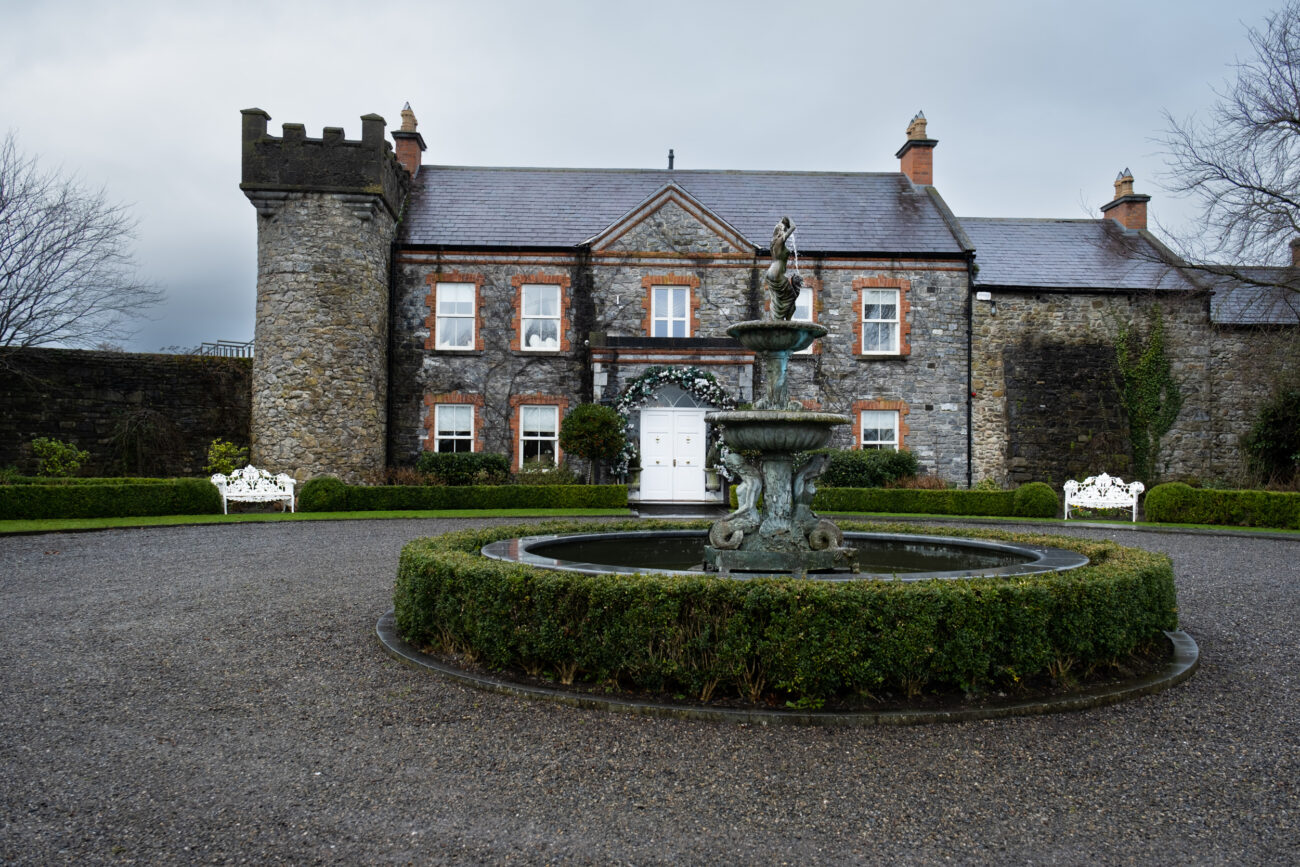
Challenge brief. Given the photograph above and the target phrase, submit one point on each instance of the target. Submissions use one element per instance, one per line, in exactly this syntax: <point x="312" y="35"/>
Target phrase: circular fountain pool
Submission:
<point x="880" y="555"/>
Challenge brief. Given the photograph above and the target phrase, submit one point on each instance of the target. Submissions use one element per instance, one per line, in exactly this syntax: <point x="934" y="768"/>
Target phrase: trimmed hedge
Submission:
<point x="465" y="468"/>
<point x="809" y="640"/>
<point x="29" y="499"/>
<point x="1178" y="503"/>
<point x="1034" y="500"/>
<point x="328" y="494"/>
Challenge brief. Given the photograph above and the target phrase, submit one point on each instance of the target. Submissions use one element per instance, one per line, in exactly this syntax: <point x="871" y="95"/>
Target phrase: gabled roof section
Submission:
<point x="673" y="202"/>
<point x="563" y="208"/>
<point x="1256" y="296"/>
<point x="1069" y="254"/>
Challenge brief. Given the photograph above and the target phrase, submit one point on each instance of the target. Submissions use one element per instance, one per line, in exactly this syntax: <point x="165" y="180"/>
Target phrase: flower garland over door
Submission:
<point x="700" y="384"/>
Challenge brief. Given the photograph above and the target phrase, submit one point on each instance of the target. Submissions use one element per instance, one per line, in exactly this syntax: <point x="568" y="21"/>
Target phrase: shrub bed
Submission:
<point x="807" y="640"/>
<point x="1179" y="503"/>
<point x="328" y="494"/>
<point x="29" y="499"/>
<point x="1034" y="500"/>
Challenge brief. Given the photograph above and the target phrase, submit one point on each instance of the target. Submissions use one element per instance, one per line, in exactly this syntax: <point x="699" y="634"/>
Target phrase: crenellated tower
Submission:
<point x="327" y="211"/>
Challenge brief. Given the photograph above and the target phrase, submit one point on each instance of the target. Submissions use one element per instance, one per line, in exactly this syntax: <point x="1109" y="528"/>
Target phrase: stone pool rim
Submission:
<point x="1044" y="558"/>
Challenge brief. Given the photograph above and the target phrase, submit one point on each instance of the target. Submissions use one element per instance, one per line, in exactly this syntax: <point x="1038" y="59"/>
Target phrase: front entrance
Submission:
<point x="672" y="454"/>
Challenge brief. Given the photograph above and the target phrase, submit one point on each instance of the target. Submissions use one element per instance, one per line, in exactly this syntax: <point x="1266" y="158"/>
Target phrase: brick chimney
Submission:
<point x="1295" y="252"/>
<point x="916" y="156"/>
<point x="1129" y="209"/>
<point x="409" y="143"/>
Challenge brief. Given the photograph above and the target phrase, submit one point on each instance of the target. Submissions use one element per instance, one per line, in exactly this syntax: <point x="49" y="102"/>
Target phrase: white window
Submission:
<point x="455" y="315"/>
<point x="540" y="321"/>
<point x="880" y="429"/>
<point x="670" y="311"/>
<point x="539" y="435"/>
<point x="880" y="321"/>
<point x="803" y="311"/>
<point x="453" y="427"/>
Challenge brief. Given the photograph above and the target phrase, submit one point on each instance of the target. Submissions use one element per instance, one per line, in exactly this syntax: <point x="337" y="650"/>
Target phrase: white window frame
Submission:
<point x="877" y="298"/>
<point x="662" y="310"/>
<point x="553" y="438"/>
<point x="806" y="300"/>
<point x="875" y="416"/>
<point x="437" y="432"/>
<point x="451" y="314"/>
<point x="527" y="289"/>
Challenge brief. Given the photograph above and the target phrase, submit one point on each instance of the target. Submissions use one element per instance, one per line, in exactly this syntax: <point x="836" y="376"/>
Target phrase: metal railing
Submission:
<point x="227" y="349"/>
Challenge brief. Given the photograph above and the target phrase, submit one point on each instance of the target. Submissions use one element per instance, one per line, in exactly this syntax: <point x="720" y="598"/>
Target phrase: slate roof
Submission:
<point x="1066" y="254"/>
<point x="1236" y="302"/>
<point x="546" y="208"/>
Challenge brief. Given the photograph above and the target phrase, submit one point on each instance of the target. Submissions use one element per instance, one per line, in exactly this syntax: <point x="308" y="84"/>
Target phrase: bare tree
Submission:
<point x="66" y="270"/>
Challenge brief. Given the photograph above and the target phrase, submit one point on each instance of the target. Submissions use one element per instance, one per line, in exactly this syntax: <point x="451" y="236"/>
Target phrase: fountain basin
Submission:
<point x="776" y="432"/>
<point x="776" y="335"/>
<point x="880" y="555"/>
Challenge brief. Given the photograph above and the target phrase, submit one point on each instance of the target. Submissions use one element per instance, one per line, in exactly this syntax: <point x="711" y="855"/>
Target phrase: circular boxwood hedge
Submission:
<point x="809" y="641"/>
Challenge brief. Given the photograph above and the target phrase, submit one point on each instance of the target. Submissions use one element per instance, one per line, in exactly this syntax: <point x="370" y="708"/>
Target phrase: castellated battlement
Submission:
<point x="295" y="163"/>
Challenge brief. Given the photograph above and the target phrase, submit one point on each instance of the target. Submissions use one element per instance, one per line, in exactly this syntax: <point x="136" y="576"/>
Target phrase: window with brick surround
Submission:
<point x="540" y="318"/>
<point x="539" y="435"/>
<point x="453" y="427"/>
<point x="670" y="311"/>
<point x="879" y="429"/>
<point x="880" y="321"/>
<point x="455" y="315"/>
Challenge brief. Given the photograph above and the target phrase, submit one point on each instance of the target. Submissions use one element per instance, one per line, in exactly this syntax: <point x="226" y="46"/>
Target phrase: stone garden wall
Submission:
<point x="139" y="414"/>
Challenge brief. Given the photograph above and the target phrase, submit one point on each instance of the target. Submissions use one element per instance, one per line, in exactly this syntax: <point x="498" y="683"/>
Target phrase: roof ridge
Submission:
<point x="571" y="169"/>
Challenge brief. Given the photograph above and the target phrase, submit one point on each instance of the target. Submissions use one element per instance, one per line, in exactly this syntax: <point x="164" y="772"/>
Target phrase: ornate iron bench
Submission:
<point x="1102" y="492"/>
<point x="251" y="485"/>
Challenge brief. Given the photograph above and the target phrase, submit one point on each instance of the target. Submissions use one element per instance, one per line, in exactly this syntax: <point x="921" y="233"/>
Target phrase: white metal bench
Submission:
<point x="1102" y="492"/>
<point x="251" y="485"/>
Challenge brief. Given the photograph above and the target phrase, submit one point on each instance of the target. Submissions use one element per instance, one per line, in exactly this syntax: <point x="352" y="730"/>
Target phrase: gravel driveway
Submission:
<point x="215" y="694"/>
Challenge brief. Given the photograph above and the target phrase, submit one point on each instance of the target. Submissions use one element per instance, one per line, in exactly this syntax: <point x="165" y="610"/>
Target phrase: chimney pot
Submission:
<point x="1128" y="208"/>
<point x="916" y="156"/>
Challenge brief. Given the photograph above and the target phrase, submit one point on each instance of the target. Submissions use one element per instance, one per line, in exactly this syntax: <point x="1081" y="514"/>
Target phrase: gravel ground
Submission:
<point x="216" y="694"/>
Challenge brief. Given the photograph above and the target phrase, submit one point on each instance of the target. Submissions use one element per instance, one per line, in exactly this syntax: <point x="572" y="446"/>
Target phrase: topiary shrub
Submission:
<point x="466" y="468"/>
<point x="866" y="468"/>
<point x="323" y="494"/>
<point x="1036" y="500"/>
<point x="57" y="458"/>
<point x="594" y="433"/>
<point x="1273" y="444"/>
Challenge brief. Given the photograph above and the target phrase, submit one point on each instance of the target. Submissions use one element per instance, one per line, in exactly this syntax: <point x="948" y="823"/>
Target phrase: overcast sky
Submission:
<point x="1036" y="105"/>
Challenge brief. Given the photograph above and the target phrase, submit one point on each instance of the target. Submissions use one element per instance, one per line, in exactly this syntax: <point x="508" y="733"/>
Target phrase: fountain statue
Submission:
<point x="783" y="534"/>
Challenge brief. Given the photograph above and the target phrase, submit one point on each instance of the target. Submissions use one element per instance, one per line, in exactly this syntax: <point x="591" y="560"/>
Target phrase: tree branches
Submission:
<point x="1243" y="163"/>
<point x="66" y="271"/>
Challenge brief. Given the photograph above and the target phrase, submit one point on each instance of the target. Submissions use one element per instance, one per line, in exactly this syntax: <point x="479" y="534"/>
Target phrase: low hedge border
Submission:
<point x="1177" y="503"/>
<point x="1034" y="500"/>
<point x="328" y="494"/>
<point x="808" y="640"/>
<point x="107" y="498"/>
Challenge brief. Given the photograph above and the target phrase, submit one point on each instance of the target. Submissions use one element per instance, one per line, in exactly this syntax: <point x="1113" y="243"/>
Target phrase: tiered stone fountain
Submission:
<point x="782" y="534"/>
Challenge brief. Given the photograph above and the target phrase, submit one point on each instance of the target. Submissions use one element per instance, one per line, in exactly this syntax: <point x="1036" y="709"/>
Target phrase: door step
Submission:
<point x="679" y="510"/>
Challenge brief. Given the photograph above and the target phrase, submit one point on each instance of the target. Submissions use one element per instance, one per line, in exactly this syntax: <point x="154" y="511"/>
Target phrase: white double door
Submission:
<point x="672" y="454"/>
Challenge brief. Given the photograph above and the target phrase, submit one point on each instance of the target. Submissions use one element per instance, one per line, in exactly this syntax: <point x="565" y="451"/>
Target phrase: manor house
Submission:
<point x="405" y="306"/>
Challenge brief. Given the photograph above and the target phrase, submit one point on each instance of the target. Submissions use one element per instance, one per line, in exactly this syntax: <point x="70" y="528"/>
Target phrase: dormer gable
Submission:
<point x="672" y="222"/>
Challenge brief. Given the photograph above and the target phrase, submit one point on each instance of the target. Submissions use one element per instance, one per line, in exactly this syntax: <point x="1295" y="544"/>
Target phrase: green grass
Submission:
<point x="65" y="524"/>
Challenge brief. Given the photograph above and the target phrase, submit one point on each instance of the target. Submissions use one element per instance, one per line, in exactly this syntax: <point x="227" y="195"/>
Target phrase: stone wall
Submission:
<point x="320" y="376"/>
<point x="177" y="404"/>
<point x="1048" y="406"/>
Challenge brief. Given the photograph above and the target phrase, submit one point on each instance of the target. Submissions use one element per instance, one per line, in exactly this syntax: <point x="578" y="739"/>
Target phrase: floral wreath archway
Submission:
<point x="700" y="384"/>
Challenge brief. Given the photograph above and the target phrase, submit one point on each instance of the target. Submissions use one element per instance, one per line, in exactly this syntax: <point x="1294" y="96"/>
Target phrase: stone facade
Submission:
<point x="1013" y="387"/>
<point x="1048" y="404"/>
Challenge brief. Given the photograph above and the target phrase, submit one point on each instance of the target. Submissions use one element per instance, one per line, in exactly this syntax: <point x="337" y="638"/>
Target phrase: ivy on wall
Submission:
<point x="1147" y="390"/>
